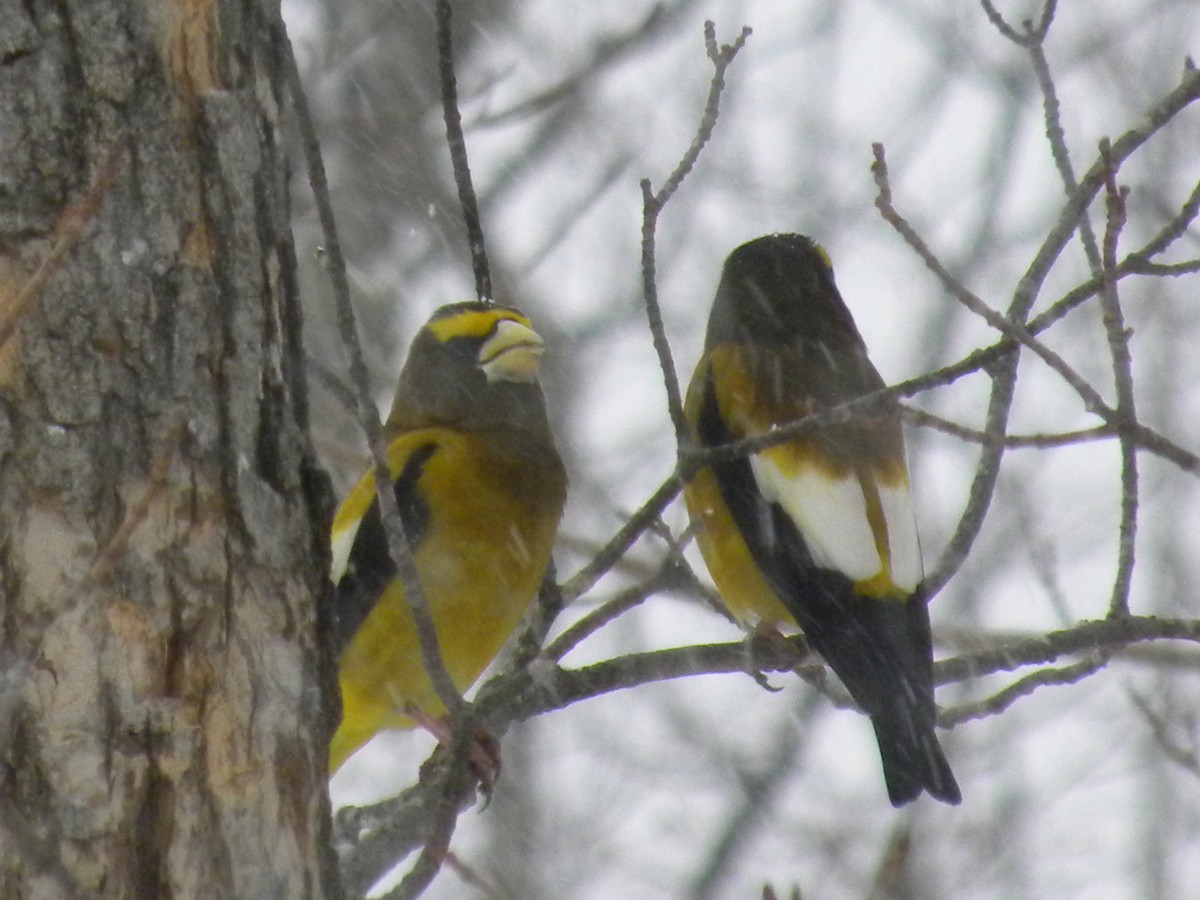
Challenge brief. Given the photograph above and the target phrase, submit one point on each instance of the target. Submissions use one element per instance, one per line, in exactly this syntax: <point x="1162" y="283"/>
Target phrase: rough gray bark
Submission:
<point x="162" y="722"/>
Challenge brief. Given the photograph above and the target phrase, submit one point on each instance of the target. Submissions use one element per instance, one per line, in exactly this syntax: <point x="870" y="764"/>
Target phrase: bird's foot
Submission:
<point x="483" y="756"/>
<point x="483" y="750"/>
<point x="766" y="647"/>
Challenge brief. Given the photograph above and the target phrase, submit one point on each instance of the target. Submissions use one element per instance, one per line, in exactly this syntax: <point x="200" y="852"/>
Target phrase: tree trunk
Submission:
<point x="163" y="719"/>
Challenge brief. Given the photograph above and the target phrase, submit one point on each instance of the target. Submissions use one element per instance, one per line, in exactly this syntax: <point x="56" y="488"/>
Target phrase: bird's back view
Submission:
<point x="817" y="531"/>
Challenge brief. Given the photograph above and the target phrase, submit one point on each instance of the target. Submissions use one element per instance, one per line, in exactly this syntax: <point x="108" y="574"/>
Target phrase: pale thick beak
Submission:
<point x="513" y="353"/>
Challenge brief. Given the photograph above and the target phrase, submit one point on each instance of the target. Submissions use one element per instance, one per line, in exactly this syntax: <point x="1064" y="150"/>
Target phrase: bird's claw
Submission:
<point x="765" y="641"/>
<point x="483" y="751"/>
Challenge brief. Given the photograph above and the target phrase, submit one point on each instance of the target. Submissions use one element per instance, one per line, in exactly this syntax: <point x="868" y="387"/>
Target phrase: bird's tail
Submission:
<point x="913" y="761"/>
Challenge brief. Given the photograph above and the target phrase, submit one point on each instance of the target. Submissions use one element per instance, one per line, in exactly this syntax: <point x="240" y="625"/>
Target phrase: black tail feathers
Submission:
<point x="914" y="762"/>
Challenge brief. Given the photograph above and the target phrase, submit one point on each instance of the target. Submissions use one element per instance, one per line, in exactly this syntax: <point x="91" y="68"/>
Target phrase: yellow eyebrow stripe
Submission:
<point x="473" y="323"/>
<point x="824" y="254"/>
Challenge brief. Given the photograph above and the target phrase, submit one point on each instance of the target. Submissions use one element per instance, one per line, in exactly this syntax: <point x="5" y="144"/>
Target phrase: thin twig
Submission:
<point x="1103" y="264"/>
<point x="1022" y="687"/>
<point x="1012" y="441"/>
<point x="983" y="484"/>
<point x="1082" y="637"/>
<point x="1122" y="364"/>
<point x="457" y="144"/>
<point x="988" y="358"/>
<point x="672" y="573"/>
<point x="583" y="580"/>
<point x="1167" y="270"/>
<point x="595" y="620"/>
<point x="454" y="787"/>
<point x="722" y="57"/>
<point x="1043" y="25"/>
<point x="1057" y="138"/>
<point x="1173" y="230"/>
<point x="1031" y="33"/>
<point x="1003" y="375"/>
<point x="1002" y="26"/>
<point x="1134" y="263"/>
<point x="398" y="546"/>
<point x="1092" y="401"/>
<point x="1176" y="100"/>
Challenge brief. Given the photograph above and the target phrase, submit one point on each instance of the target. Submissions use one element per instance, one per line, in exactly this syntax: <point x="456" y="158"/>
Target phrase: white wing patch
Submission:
<point x="340" y="545"/>
<point x="831" y="516"/>
<point x="903" y="546"/>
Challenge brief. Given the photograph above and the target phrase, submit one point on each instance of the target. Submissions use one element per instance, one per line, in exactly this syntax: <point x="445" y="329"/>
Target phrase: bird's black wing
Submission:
<point x="880" y="648"/>
<point x="370" y="566"/>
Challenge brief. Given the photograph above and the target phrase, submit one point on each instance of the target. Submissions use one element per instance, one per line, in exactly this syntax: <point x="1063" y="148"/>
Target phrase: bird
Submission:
<point x="818" y="531"/>
<point x="480" y="488"/>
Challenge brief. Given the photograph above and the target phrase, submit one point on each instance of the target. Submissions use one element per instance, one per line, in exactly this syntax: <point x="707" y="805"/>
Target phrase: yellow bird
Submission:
<point x="480" y="487"/>
<point x="817" y="531"/>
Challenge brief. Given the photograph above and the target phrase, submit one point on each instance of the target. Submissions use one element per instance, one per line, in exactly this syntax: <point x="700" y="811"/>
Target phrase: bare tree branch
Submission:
<point x="1023" y="687"/>
<point x="376" y="836"/>
<point x="368" y="417"/>
<point x="623" y="602"/>
<point x="722" y="57"/>
<point x="457" y="144"/>
<point x="1092" y="401"/>
<point x="1122" y="362"/>
<point x="1012" y="441"/>
<point x="1103" y="265"/>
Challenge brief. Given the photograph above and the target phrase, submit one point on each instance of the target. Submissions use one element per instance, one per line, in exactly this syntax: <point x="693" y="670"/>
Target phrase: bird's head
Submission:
<point x="473" y="365"/>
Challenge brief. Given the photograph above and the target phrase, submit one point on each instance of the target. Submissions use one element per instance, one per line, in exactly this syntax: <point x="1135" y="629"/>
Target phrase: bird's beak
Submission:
<point x="512" y="353"/>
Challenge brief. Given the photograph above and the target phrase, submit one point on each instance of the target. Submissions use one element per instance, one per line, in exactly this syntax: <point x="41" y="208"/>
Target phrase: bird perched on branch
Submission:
<point x="480" y="488"/>
<point x="817" y="531"/>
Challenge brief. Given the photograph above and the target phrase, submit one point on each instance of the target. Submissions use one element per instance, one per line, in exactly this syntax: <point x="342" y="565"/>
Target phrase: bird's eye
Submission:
<point x="464" y="347"/>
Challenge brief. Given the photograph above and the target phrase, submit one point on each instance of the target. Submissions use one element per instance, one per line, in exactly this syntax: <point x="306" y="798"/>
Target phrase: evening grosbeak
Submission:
<point x="817" y="531"/>
<point x="480" y="488"/>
